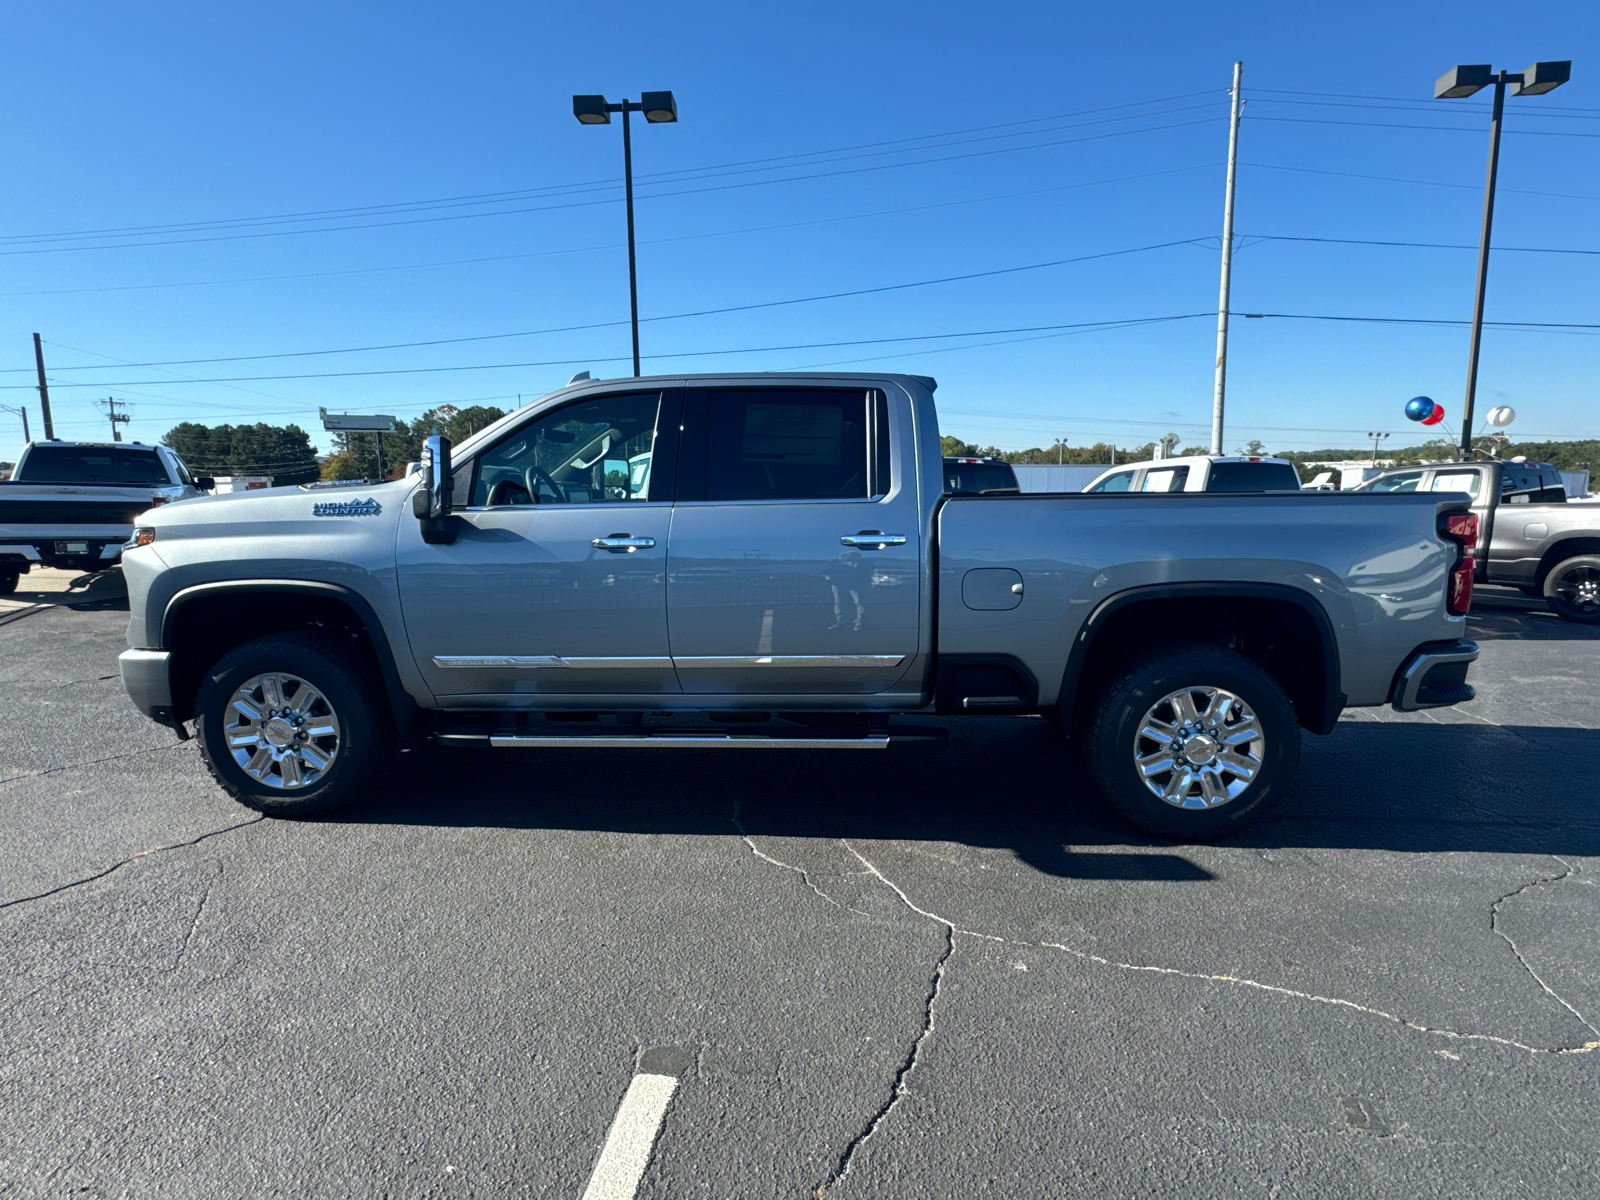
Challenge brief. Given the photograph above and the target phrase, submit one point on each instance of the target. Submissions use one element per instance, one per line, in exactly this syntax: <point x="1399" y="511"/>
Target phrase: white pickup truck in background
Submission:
<point x="1201" y="473"/>
<point x="73" y="504"/>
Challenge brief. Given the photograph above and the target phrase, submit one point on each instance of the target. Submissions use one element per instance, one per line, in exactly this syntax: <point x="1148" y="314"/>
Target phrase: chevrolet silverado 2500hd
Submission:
<point x="779" y="551"/>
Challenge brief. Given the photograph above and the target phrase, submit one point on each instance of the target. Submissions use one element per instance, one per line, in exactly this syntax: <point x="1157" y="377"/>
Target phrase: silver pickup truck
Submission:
<point x="771" y="561"/>
<point x="1533" y="539"/>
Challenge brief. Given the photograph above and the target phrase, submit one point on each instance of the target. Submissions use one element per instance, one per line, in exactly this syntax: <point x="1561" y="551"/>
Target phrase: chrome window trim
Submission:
<point x="792" y="660"/>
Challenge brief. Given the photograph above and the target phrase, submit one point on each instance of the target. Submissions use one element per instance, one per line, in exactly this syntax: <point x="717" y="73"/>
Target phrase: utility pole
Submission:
<point x="109" y="407"/>
<point x="44" y="389"/>
<point x="1376" y="439"/>
<point x="1227" y="264"/>
<point x="21" y="411"/>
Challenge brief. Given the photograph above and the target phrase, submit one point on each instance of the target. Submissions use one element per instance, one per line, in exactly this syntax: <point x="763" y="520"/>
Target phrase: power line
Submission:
<point x="1268" y="237"/>
<point x="612" y="324"/>
<point x="672" y="176"/>
<point x="887" y="212"/>
<point x="1567" y="133"/>
<point x="611" y="200"/>
<point x="1471" y="187"/>
<point x="1477" y="105"/>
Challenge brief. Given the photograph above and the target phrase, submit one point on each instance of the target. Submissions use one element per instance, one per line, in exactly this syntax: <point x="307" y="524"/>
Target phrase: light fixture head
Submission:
<point x="1462" y="81"/>
<point x="591" y="110"/>
<point x="659" y="107"/>
<point x="1543" y="77"/>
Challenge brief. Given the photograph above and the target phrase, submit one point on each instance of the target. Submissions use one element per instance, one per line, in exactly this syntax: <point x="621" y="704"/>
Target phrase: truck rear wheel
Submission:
<point x="294" y="724"/>
<point x="1193" y="741"/>
<point x="1572" y="589"/>
<point x="8" y="580"/>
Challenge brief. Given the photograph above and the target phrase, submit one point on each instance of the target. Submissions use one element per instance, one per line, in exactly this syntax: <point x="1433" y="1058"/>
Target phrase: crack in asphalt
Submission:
<point x="90" y="763"/>
<point x="256" y="820"/>
<point x="800" y="871"/>
<point x="1231" y="980"/>
<point x="1494" y="924"/>
<point x="901" y="1076"/>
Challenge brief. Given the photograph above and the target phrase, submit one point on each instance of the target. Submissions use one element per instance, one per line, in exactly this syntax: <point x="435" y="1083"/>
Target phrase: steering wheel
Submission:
<point x="509" y="491"/>
<point x="533" y="474"/>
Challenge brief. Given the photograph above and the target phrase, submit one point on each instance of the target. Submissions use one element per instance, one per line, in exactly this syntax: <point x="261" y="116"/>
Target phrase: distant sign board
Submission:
<point x="357" y="422"/>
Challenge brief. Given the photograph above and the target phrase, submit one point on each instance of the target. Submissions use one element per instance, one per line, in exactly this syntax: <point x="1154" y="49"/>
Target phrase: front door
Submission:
<point x="795" y="564"/>
<point x="556" y="584"/>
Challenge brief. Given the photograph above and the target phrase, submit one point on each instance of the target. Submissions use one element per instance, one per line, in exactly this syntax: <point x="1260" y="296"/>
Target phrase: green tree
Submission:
<point x="284" y="452"/>
<point x="954" y="447"/>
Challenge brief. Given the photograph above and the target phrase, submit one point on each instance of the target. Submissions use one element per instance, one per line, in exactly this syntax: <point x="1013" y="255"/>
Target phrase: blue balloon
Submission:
<point x="1419" y="408"/>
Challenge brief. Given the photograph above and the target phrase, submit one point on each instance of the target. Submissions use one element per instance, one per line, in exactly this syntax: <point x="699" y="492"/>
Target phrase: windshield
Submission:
<point x="1253" y="477"/>
<point x="979" y="477"/>
<point x="93" y="464"/>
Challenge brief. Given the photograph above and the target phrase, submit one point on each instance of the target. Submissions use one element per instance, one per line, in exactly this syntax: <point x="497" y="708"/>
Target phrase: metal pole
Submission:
<point x="1500" y="81"/>
<point x="44" y="389"/>
<point x="633" y="275"/>
<point x="1227" y="265"/>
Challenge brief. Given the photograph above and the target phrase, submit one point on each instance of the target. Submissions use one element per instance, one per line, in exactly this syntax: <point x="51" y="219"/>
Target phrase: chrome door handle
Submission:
<point x="622" y="543"/>
<point x="871" y="539"/>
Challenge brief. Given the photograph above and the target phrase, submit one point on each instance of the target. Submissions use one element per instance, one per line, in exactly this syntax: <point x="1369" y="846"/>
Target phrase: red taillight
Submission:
<point x="155" y="500"/>
<point x="1462" y="529"/>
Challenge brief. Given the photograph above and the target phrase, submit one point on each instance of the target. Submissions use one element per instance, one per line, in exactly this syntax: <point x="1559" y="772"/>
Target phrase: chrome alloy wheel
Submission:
<point x="281" y="731"/>
<point x="1579" y="589"/>
<point x="1199" y="747"/>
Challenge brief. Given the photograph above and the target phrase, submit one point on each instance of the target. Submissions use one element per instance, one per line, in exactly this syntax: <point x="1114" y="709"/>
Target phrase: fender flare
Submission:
<point x="1333" y="700"/>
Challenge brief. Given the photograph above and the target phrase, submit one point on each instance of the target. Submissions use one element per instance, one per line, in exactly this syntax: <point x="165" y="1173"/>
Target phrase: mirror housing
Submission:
<point x="430" y="503"/>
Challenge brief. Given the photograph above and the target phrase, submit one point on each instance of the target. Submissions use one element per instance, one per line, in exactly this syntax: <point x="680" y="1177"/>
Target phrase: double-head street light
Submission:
<point x="1455" y="84"/>
<point x="659" y="108"/>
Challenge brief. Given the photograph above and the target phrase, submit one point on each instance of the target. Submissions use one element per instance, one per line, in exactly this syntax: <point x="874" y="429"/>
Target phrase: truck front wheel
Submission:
<point x="8" y="580"/>
<point x="1572" y="589"/>
<point x="1193" y="741"/>
<point x="294" y="724"/>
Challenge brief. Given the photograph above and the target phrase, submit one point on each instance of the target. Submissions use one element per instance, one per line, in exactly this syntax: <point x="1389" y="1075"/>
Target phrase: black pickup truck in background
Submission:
<point x="73" y="504"/>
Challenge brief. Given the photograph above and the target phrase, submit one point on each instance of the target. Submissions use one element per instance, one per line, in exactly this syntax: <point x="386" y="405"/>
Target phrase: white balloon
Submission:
<point x="1502" y="416"/>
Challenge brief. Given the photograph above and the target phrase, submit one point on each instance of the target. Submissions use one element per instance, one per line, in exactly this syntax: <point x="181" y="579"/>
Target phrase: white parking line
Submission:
<point x="633" y="1134"/>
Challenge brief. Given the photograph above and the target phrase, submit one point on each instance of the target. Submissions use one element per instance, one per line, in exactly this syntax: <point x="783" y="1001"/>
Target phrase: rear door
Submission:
<point x="795" y="561"/>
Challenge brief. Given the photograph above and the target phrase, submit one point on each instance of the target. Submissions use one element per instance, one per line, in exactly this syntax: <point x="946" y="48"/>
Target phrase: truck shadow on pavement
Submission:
<point x="1385" y="785"/>
<point x="1507" y="614"/>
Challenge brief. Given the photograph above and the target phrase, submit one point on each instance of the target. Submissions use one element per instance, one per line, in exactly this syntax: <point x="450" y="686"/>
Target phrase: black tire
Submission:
<point x="356" y="757"/>
<point x="1142" y="688"/>
<point x="1572" y="589"/>
<point x="8" y="580"/>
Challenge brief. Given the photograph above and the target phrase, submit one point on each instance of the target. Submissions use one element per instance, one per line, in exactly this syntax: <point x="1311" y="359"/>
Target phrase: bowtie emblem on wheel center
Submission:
<point x="1199" y="749"/>
<point x="278" y="732"/>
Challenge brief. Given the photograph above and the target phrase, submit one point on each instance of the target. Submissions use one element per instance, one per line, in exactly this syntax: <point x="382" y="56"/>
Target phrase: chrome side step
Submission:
<point x="690" y="739"/>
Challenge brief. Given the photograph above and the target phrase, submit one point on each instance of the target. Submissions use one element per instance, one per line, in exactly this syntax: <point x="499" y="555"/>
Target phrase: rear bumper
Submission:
<point x="1435" y="676"/>
<point x="147" y="678"/>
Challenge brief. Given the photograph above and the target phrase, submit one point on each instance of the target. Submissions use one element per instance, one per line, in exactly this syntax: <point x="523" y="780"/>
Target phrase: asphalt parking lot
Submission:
<point x="939" y="972"/>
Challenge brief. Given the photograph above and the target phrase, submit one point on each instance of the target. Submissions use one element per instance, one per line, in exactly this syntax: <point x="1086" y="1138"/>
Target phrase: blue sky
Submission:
<point x="822" y="148"/>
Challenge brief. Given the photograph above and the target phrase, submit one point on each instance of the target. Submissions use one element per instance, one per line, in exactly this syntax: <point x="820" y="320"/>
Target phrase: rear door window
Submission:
<point x="1457" y="481"/>
<point x="1169" y="479"/>
<point x="979" y="477"/>
<point x="1254" y="477"/>
<point x="94" y="464"/>
<point x="778" y="444"/>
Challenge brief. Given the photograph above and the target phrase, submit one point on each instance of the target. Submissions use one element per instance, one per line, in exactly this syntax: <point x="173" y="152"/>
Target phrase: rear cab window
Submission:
<point x="1403" y="481"/>
<point x="1457" y="481"/>
<point x="1165" y="479"/>
<point x="1253" y="477"/>
<point x="978" y="477"/>
<point x="106" y="465"/>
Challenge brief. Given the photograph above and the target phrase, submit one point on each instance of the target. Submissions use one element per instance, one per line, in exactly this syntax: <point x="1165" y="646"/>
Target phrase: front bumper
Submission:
<point x="1435" y="676"/>
<point x="147" y="678"/>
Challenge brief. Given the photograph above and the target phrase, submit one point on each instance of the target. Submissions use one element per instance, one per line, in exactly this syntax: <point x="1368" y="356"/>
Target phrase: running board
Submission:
<point x="691" y="739"/>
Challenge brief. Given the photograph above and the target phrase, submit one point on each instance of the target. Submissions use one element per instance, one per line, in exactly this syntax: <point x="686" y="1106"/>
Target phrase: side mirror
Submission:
<point x="430" y="503"/>
<point x="205" y="483"/>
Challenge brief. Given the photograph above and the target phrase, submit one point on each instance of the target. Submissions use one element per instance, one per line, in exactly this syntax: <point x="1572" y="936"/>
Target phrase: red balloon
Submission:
<point x="1435" y="416"/>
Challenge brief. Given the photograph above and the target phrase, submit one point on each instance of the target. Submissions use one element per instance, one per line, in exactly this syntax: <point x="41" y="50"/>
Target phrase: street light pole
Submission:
<point x="1455" y="84"/>
<point x="658" y="108"/>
